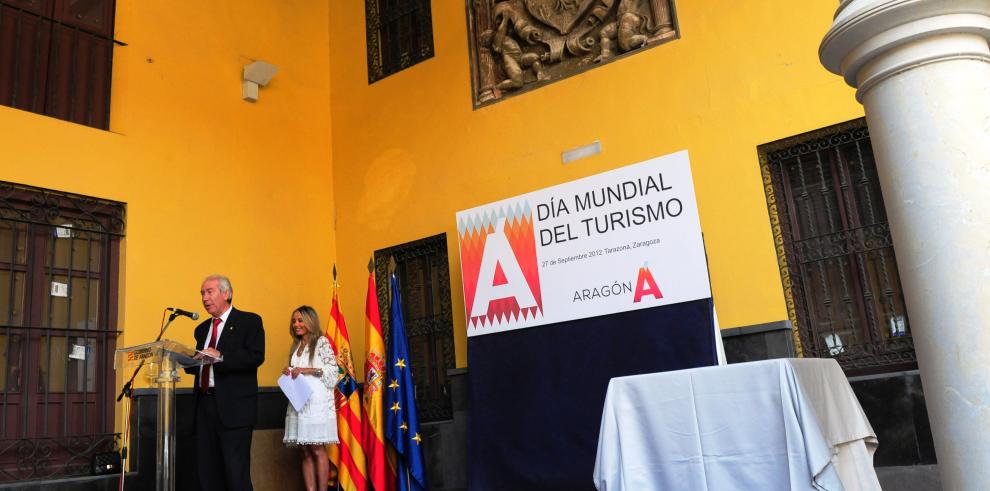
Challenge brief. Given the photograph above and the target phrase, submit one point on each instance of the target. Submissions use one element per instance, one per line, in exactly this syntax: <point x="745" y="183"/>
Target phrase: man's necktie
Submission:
<point x="204" y="379"/>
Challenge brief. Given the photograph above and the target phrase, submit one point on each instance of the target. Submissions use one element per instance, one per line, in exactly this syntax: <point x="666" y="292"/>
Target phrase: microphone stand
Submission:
<point x="127" y="390"/>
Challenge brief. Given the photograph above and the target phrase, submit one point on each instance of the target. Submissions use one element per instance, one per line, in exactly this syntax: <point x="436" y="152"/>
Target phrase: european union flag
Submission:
<point x="401" y="423"/>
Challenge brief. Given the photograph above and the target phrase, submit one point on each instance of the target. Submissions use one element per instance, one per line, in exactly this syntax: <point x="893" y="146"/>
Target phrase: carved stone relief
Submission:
<point x="517" y="45"/>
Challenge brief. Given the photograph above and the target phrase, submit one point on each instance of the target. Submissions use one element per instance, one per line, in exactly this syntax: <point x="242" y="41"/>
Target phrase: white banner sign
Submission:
<point x="621" y="240"/>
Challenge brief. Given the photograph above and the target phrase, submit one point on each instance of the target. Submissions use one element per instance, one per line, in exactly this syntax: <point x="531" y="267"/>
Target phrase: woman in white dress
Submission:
<point x="316" y="424"/>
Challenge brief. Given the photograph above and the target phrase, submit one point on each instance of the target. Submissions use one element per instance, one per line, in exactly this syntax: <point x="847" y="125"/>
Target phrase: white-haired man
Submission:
<point x="227" y="391"/>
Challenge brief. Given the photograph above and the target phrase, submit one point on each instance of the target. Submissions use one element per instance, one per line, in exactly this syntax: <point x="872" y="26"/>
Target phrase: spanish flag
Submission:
<point x="380" y="475"/>
<point x="348" y="456"/>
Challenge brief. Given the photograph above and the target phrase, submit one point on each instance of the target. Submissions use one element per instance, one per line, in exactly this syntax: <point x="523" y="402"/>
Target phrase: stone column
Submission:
<point x="922" y="70"/>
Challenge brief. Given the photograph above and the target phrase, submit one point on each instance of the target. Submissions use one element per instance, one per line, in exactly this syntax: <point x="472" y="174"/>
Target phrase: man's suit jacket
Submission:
<point x="242" y="345"/>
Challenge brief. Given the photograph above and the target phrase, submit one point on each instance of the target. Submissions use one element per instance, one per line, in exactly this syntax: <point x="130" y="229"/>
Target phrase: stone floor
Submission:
<point x="909" y="478"/>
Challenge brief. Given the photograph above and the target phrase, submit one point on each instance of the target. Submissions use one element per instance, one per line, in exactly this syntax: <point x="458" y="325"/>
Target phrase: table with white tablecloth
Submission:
<point x="789" y="424"/>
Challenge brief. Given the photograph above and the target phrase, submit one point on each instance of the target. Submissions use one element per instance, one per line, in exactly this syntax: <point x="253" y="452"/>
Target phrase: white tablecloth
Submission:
<point x="841" y="419"/>
<point x="748" y="426"/>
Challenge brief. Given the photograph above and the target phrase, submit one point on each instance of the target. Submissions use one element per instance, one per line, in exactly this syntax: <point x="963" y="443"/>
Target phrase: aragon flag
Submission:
<point x="401" y="422"/>
<point x="348" y="456"/>
<point x="381" y="477"/>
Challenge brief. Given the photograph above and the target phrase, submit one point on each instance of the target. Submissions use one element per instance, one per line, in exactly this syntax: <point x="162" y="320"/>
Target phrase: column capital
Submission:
<point x="864" y="32"/>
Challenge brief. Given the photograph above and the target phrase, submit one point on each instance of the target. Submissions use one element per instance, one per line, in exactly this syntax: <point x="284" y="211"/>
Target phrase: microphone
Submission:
<point x="191" y="315"/>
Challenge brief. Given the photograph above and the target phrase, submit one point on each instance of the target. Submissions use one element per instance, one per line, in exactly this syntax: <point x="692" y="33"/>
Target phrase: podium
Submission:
<point x="161" y="361"/>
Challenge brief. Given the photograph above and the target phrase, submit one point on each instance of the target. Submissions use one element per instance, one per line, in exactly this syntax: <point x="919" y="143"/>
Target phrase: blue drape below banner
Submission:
<point x="536" y="394"/>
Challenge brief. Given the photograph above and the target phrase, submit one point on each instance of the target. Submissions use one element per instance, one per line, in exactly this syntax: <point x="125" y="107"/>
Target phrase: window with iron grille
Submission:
<point x="59" y="255"/>
<point x="400" y="35"/>
<point x="424" y="283"/>
<point x="836" y="257"/>
<point x="55" y="58"/>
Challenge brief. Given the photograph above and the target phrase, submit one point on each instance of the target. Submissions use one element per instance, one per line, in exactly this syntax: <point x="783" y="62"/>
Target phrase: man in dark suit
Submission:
<point x="227" y="391"/>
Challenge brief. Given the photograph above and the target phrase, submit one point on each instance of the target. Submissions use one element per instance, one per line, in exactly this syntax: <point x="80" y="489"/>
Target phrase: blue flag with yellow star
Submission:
<point x="401" y="423"/>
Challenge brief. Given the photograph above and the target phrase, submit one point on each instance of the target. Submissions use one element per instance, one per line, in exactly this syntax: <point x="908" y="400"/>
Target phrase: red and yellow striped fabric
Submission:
<point x="348" y="456"/>
<point x="380" y="475"/>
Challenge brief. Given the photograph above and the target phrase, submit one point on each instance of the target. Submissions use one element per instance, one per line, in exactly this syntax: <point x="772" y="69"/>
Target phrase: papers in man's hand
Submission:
<point x="296" y="389"/>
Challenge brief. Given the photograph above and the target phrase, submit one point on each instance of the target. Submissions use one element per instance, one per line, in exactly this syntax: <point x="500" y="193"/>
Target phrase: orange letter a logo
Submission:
<point x="500" y="275"/>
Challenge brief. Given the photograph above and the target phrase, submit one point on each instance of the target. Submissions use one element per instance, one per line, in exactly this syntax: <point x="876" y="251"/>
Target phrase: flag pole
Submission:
<point x="333" y="294"/>
<point x="392" y="266"/>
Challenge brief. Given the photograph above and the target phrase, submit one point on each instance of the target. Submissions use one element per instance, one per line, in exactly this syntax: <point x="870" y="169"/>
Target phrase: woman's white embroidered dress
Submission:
<point x="316" y="423"/>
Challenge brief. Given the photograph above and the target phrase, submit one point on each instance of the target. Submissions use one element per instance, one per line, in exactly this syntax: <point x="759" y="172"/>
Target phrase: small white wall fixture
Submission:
<point x="256" y="74"/>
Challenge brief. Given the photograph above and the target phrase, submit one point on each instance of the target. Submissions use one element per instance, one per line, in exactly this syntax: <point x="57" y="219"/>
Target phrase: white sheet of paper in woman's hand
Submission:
<point x="296" y="389"/>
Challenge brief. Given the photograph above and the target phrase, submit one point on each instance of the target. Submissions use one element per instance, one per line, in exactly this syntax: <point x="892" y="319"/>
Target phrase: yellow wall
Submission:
<point x="409" y="151"/>
<point x="212" y="183"/>
<point x="191" y="159"/>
